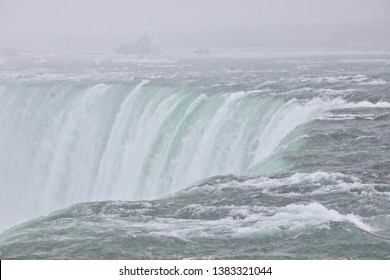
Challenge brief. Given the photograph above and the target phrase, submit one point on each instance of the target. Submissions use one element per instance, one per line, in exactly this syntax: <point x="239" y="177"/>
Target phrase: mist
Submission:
<point x="172" y="24"/>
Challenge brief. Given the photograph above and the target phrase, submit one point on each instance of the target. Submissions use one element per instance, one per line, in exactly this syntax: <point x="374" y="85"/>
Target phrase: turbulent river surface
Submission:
<point x="221" y="156"/>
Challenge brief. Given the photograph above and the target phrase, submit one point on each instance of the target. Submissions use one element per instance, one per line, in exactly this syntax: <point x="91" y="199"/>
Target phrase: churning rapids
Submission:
<point x="249" y="156"/>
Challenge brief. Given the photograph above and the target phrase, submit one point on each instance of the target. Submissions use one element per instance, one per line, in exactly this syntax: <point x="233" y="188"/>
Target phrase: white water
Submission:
<point x="65" y="144"/>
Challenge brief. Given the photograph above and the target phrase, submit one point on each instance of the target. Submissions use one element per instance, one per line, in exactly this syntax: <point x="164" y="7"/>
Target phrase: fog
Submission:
<point x="106" y="24"/>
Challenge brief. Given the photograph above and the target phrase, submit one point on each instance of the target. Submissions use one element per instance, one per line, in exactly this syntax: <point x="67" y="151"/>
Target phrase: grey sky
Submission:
<point x="38" y="22"/>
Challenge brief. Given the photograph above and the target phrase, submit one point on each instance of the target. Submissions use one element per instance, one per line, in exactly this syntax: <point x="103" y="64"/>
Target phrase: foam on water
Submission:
<point x="243" y="221"/>
<point x="238" y="210"/>
<point x="297" y="184"/>
<point x="358" y="79"/>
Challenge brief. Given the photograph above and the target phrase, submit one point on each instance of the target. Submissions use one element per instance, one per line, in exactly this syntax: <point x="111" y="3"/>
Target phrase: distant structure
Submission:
<point x="142" y="47"/>
<point x="202" y="51"/>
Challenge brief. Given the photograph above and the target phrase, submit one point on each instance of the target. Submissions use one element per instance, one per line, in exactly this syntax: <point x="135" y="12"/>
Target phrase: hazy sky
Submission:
<point x="36" y="23"/>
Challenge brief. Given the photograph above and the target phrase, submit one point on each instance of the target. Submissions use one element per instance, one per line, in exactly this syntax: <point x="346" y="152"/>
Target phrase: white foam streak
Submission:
<point x="367" y="104"/>
<point x="254" y="220"/>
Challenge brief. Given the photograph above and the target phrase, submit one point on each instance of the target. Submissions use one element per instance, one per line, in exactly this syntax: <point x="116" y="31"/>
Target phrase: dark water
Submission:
<point x="275" y="156"/>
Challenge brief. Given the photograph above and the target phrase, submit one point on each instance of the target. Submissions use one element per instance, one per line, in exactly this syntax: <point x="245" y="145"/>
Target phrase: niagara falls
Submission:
<point x="205" y="132"/>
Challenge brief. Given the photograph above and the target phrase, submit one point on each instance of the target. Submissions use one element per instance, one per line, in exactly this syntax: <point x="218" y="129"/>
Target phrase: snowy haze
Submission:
<point x="105" y="24"/>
